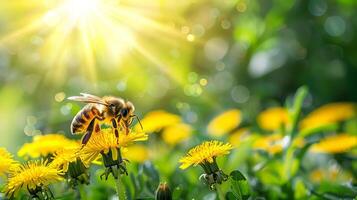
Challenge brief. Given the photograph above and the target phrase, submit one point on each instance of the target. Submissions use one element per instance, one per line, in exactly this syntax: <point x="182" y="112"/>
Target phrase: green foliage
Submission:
<point x="240" y="186"/>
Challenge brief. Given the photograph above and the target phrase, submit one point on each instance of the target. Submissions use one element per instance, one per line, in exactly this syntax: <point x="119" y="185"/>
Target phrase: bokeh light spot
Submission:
<point x="191" y="117"/>
<point x="317" y="7"/>
<point x="335" y="26"/>
<point x="66" y="109"/>
<point x="185" y="29"/>
<point x="215" y="49"/>
<point x="203" y="81"/>
<point x="121" y="86"/>
<point x="223" y="80"/>
<point x="198" y="30"/>
<point x="226" y="24"/>
<point x="193" y="90"/>
<point x="31" y="120"/>
<point x="190" y="37"/>
<point x="241" y="6"/>
<point x="240" y="94"/>
<point x="59" y="97"/>
<point x="192" y="77"/>
<point x="220" y="66"/>
<point x="266" y="61"/>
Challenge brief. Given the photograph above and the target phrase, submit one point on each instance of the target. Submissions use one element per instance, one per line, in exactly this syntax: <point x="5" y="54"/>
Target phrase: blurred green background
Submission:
<point x="196" y="58"/>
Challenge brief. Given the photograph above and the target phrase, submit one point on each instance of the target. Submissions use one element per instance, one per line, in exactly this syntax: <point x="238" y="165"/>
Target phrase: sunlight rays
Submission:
<point x="79" y="32"/>
<point x="159" y="64"/>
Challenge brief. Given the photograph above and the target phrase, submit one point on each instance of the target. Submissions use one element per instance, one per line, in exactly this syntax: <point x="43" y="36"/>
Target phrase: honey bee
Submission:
<point x="113" y="110"/>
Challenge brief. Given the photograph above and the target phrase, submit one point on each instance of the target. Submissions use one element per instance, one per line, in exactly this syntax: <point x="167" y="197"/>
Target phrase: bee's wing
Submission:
<point x="90" y="96"/>
<point x="87" y="98"/>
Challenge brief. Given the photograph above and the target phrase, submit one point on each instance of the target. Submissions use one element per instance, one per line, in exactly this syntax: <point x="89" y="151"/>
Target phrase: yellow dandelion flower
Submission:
<point x="69" y="160"/>
<point x="33" y="175"/>
<point x="224" y="123"/>
<point x="63" y="157"/>
<point x="272" y="143"/>
<point x="44" y="145"/>
<point x="236" y="137"/>
<point x="137" y="153"/>
<point x="335" y="144"/>
<point x="105" y="141"/>
<point x="6" y="161"/>
<point x="156" y="120"/>
<point x="205" y="153"/>
<point x="176" y="133"/>
<point x="328" y="114"/>
<point x="273" y="118"/>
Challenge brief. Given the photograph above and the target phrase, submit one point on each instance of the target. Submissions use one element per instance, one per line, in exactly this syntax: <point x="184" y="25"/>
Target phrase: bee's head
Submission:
<point x="127" y="111"/>
<point x="115" y="106"/>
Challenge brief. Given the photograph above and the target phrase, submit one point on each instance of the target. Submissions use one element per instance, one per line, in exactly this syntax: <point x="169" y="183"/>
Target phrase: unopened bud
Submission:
<point x="163" y="192"/>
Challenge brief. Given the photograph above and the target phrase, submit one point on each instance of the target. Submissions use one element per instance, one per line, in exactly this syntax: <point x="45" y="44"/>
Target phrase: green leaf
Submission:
<point x="295" y="109"/>
<point x="176" y="193"/>
<point x="350" y="126"/>
<point x="240" y="185"/>
<point x="231" y="196"/>
<point x="300" y="190"/>
<point x="341" y="191"/>
<point x="153" y="176"/>
<point x="323" y="128"/>
<point x="290" y="165"/>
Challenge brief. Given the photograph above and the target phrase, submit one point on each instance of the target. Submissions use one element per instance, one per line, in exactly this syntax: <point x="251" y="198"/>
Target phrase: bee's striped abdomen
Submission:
<point x="83" y="118"/>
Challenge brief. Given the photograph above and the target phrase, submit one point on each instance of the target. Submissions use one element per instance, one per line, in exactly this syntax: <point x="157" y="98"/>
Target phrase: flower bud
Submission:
<point x="163" y="192"/>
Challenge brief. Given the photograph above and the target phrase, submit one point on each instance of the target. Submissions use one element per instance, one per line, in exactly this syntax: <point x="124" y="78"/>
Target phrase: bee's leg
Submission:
<point x="126" y="127"/>
<point x="97" y="128"/>
<point x="137" y="118"/>
<point x="115" y="126"/>
<point x="88" y="133"/>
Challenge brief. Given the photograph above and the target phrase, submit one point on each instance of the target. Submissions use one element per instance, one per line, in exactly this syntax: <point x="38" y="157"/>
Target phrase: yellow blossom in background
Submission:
<point x="105" y="140"/>
<point x="31" y="175"/>
<point x="236" y="137"/>
<point x="43" y="145"/>
<point x="225" y="122"/>
<point x="316" y="175"/>
<point x="176" y="133"/>
<point x="136" y="153"/>
<point x="275" y="143"/>
<point x="205" y="153"/>
<point x="332" y="173"/>
<point x="273" y="118"/>
<point x="335" y="144"/>
<point x="299" y="142"/>
<point x="271" y="143"/>
<point x="328" y="114"/>
<point x="6" y="161"/>
<point x="156" y="120"/>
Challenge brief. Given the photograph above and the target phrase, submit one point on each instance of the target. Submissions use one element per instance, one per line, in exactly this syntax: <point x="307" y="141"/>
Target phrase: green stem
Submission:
<point x="82" y="191"/>
<point x="120" y="188"/>
<point x="220" y="192"/>
<point x="77" y="194"/>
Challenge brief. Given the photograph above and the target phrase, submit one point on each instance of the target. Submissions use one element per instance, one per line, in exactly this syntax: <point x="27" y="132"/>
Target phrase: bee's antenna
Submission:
<point x="137" y="118"/>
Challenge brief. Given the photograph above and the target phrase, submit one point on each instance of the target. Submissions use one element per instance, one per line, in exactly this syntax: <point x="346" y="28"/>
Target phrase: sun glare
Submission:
<point x="81" y="9"/>
<point x="87" y="32"/>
